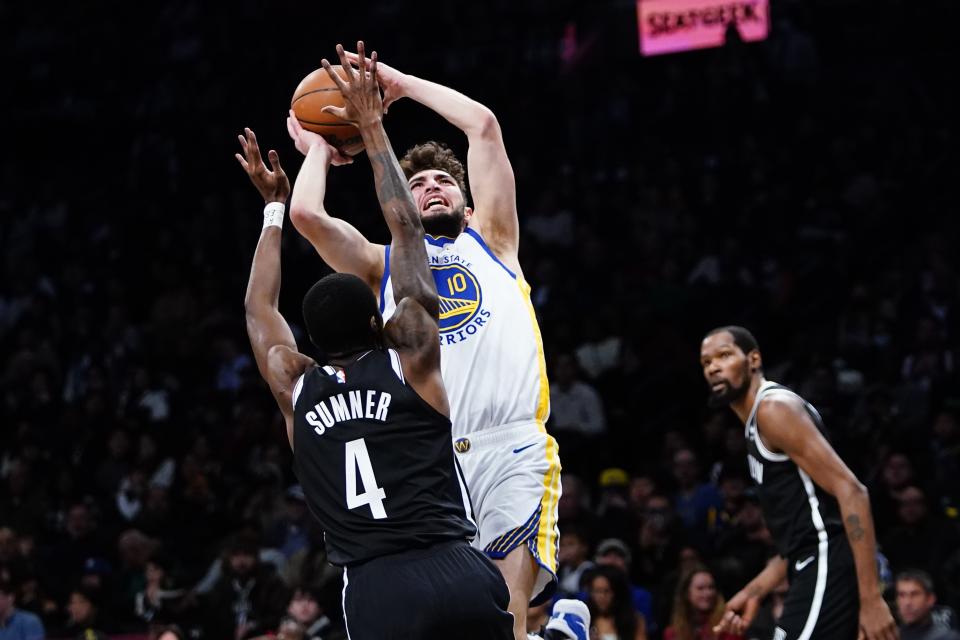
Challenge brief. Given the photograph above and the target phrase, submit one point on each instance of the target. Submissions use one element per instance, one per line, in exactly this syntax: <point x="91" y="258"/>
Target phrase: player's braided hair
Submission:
<point x="434" y="155"/>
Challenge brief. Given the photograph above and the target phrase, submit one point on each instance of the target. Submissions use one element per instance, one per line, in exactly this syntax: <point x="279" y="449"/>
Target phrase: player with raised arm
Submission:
<point x="493" y="364"/>
<point x="816" y="509"/>
<point x="369" y="428"/>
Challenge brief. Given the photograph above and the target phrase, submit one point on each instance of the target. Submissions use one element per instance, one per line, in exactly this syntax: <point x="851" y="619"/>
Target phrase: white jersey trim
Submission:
<point x="297" y="388"/>
<point x="822" y="548"/>
<point x="395" y="363"/>
<point x="343" y="602"/>
<point x="753" y="428"/>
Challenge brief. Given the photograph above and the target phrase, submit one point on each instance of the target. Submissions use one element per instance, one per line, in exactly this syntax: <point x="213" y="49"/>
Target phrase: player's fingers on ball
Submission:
<point x="347" y="69"/>
<point x="337" y="80"/>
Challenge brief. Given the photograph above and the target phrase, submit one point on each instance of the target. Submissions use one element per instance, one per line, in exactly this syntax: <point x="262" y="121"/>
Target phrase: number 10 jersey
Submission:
<point x="376" y="462"/>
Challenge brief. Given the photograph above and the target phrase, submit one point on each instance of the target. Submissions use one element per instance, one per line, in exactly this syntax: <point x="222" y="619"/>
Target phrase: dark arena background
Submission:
<point x="803" y="185"/>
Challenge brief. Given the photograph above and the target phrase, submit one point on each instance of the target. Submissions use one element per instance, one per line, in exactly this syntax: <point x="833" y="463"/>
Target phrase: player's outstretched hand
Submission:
<point x="303" y="140"/>
<point x="391" y="81"/>
<point x="876" y="621"/>
<point x="272" y="183"/>
<point x="740" y="612"/>
<point x="361" y="92"/>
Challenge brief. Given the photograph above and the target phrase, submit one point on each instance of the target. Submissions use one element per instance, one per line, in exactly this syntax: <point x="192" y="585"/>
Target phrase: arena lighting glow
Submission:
<point x="669" y="26"/>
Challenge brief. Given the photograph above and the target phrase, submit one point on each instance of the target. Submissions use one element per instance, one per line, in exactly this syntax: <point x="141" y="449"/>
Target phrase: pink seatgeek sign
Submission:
<point x="667" y="26"/>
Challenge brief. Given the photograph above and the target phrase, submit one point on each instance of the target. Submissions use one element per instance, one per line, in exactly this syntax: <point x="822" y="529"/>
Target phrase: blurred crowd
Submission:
<point x="800" y="187"/>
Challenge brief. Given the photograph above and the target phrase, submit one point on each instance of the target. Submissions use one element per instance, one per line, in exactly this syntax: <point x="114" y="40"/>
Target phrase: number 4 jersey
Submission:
<point x="376" y="462"/>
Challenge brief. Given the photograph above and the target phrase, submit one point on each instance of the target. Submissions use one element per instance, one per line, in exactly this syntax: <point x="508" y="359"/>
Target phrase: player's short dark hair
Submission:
<point x="741" y="337"/>
<point x="922" y="578"/>
<point x="433" y="155"/>
<point x="337" y="311"/>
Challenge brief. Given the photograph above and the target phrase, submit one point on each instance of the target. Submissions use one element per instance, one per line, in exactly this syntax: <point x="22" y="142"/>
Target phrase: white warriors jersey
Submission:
<point x="491" y="351"/>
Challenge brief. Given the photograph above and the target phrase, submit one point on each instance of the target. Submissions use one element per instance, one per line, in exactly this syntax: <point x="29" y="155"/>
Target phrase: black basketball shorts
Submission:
<point x="823" y="602"/>
<point x="447" y="591"/>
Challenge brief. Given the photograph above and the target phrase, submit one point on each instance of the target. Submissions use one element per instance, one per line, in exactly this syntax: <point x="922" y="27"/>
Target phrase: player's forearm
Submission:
<point x="468" y="115"/>
<point x="310" y="187"/>
<point x="772" y="575"/>
<point x="858" y="522"/>
<point x="410" y="274"/>
<point x="263" y="287"/>
<point x="396" y="201"/>
<point x="266" y="328"/>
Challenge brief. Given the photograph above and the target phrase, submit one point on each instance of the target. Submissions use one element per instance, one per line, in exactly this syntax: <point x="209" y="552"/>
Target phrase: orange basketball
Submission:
<point x="315" y="92"/>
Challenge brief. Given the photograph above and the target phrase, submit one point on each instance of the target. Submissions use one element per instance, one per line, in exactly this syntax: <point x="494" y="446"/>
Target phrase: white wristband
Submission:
<point x="273" y="215"/>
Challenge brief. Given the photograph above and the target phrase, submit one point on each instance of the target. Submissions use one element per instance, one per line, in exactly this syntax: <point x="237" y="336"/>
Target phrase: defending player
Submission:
<point x="493" y="365"/>
<point x="370" y="429"/>
<point x="816" y="509"/>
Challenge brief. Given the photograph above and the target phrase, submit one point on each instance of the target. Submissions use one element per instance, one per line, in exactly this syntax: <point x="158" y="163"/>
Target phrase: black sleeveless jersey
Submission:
<point x="376" y="461"/>
<point x="800" y="515"/>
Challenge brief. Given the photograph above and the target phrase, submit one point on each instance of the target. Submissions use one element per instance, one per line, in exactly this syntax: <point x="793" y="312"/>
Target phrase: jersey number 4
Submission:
<point x="359" y="460"/>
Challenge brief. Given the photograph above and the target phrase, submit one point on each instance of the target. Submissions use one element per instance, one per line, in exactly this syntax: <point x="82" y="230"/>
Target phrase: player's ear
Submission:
<point x="756" y="362"/>
<point x="467" y="213"/>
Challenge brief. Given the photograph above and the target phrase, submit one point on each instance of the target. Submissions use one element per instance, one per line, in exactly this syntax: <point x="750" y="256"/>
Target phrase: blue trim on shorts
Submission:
<point x="509" y="541"/>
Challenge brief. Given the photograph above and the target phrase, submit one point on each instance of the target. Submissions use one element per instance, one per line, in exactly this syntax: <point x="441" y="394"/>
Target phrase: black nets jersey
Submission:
<point x="376" y="462"/>
<point x="800" y="515"/>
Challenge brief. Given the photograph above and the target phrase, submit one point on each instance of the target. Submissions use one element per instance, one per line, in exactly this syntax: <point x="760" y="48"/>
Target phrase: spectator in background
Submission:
<point x="697" y="607"/>
<point x="160" y="599"/>
<point x="169" y="632"/>
<point x="14" y="623"/>
<point x="289" y="532"/>
<point x="318" y="613"/>
<point x="615" y="553"/>
<point x="574" y="559"/>
<point x="744" y="545"/>
<point x="613" y="516"/>
<point x="575" y="406"/>
<point x="574" y="504"/>
<point x="920" y="539"/>
<point x="612" y="616"/>
<point x="945" y="450"/>
<point x="697" y="503"/>
<point x="660" y="538"/>
<point x="916" y="600"/>
<point x="896" y="474"/>
<point x="249" y="597"/>
<point x="83" y="611"/>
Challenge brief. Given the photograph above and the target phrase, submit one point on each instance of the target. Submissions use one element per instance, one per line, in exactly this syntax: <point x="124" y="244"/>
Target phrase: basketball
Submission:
<point x="316" y="91"/>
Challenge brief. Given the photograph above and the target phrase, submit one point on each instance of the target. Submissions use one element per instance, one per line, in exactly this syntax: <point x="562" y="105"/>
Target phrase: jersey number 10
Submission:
<point x="359" y="460"/>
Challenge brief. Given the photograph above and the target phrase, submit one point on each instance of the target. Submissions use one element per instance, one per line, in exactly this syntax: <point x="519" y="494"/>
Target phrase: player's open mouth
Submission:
<point x="435" y="202"/>
<point x="718" y="386"/>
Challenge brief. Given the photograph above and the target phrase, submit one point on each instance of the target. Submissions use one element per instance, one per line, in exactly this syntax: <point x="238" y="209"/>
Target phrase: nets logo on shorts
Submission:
<point x="460" y="296"/>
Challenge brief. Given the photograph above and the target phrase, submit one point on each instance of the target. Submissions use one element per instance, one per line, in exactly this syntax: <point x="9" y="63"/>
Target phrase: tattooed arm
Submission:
<point x="785" y="426"/>
<point x="414" y="328"/>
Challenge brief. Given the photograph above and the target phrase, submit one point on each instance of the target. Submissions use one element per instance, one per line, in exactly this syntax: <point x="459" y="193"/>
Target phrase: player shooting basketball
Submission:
<point x="493" y="364"/>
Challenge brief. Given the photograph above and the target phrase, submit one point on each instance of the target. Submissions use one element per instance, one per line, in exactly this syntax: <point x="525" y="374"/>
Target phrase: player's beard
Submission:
<point x="448" y="224"/>
<point x="729" y="393"/>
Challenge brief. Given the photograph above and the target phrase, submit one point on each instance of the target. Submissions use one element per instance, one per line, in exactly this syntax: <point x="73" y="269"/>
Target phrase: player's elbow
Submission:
<point x="304" y="218"/>
<point x="852" y="489"/>
<point x="486" y="126"/>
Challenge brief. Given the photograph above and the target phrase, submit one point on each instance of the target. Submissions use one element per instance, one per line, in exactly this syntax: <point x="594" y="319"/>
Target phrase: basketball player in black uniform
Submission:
<point x="370" y="429"/>
<point x="816" y="509"/>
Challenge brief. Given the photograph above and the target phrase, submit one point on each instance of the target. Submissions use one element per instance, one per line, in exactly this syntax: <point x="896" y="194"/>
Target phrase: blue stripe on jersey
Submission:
<point x="386" y="276"/>
<point x="476" y="236"/>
